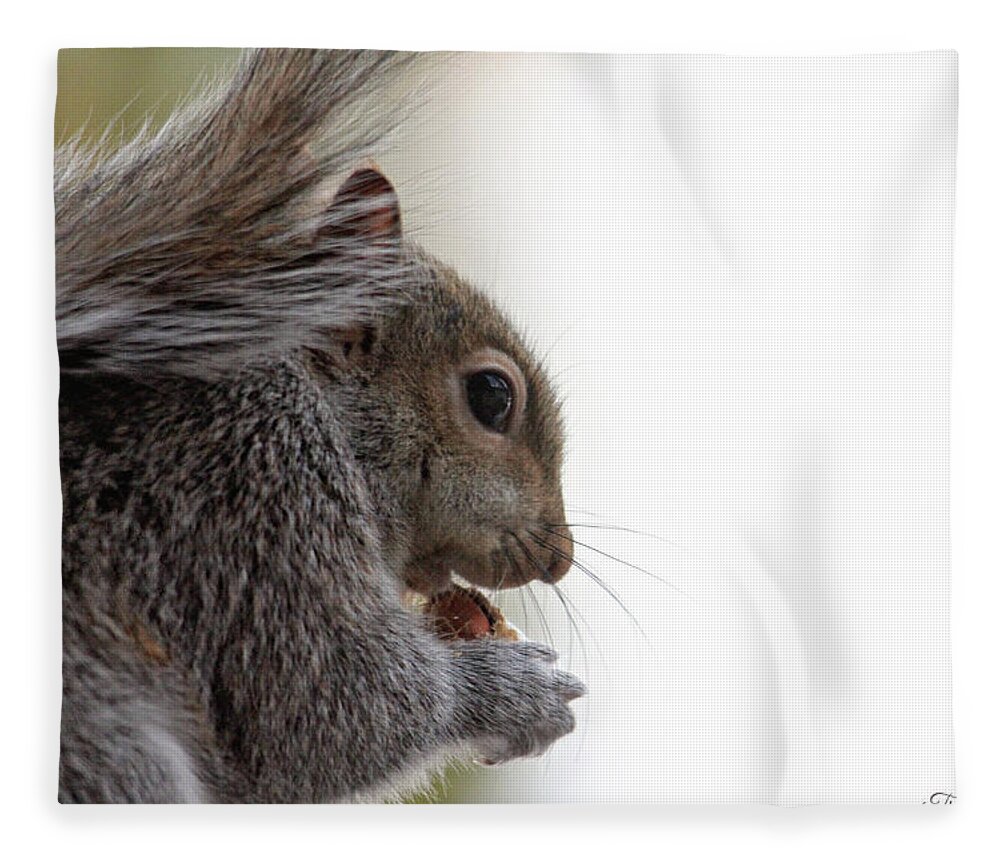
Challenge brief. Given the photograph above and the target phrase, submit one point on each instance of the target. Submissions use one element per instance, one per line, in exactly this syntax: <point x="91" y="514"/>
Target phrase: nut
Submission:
<point x="464" y="613"/>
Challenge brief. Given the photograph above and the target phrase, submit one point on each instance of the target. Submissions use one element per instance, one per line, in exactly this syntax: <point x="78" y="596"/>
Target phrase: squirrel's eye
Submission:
<point x="490" y="398"/>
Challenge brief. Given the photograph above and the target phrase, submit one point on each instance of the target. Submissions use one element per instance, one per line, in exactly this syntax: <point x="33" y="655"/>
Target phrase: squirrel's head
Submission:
<point x="455" y="423"/>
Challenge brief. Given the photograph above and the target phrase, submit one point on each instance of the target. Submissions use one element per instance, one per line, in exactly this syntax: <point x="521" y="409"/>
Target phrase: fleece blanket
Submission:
<point x="738" y="269"/>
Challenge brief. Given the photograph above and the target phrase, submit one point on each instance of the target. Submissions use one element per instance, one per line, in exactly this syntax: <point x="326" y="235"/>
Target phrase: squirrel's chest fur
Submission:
<point x="192" y="512"/>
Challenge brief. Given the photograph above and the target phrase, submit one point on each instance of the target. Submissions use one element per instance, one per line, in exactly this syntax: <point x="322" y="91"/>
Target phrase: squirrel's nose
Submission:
<point x="561" y="545"/>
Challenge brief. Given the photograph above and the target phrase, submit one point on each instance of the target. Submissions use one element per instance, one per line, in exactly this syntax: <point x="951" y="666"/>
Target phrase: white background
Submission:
<point x="30" y="520"/>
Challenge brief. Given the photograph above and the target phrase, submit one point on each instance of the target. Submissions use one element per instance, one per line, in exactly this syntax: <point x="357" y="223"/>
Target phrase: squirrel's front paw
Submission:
<point x="514" y="700"/>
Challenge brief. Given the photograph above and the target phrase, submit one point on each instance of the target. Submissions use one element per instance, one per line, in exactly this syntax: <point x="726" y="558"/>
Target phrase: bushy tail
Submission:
<point x="211" y="243"/>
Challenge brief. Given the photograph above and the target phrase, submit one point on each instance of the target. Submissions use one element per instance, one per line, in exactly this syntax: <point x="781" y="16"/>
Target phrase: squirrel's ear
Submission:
<point x="366" y="209"/>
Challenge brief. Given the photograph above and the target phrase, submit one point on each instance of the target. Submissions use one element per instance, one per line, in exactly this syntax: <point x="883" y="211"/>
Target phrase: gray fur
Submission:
<point x="207" y="244"/>
<point x="243" y="505"/>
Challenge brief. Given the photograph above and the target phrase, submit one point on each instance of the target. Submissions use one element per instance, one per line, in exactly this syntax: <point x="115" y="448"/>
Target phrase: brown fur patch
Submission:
<point x="148" y="645"/>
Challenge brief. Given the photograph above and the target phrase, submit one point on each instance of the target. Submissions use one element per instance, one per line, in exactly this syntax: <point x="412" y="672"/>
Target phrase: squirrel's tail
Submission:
<point x="212" y="242"/>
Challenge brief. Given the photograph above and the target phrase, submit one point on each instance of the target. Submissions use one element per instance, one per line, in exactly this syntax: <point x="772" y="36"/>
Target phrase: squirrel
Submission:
<point x="277" y="415"/>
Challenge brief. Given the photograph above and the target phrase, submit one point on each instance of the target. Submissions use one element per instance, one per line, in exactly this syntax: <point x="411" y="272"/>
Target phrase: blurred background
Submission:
<point x="739" y="272"/>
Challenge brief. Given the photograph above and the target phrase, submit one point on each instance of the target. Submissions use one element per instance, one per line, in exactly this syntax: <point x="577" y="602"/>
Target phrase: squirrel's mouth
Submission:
<point x="462" y="612"/>
<point x="427" y="578"/>
<point x="515" y="561"/>
<point x="440" y="571"/>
